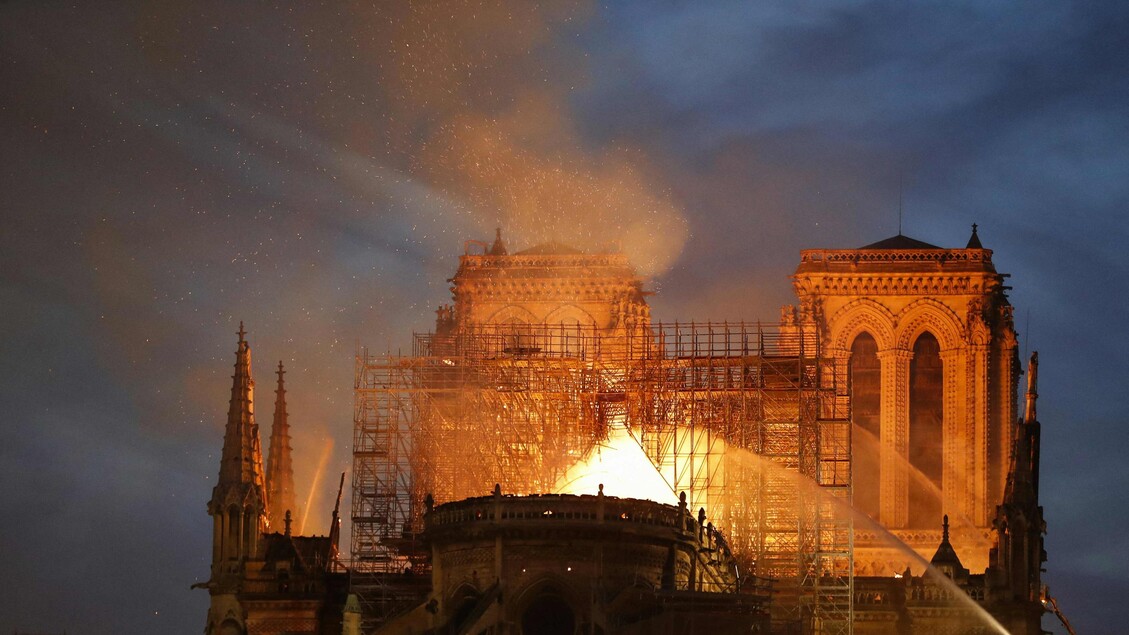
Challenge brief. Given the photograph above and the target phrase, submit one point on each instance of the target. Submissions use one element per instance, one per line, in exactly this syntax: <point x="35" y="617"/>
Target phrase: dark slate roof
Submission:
<point x="306" y="552"/>
<point x="974" y="240"/>
<point x="900" y="242"/>
<point x="945" y="554"/>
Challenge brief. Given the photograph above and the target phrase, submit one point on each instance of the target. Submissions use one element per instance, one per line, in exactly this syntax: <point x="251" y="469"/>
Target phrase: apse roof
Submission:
<point x="900" y="242"/>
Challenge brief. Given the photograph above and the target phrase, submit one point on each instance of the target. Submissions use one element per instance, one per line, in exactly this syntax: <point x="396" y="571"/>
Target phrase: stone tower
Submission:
<point x="928" y="335"/>
<point x="239" y="504"/>
<point x="549" y="284"/>
<point x="280" y="473"/>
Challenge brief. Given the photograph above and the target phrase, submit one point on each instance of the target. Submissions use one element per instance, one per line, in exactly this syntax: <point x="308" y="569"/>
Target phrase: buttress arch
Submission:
<point x="512" y="314"/>
<point x="958" y="426"/>
<point x="929" y="315"/>
<point x="859" y="316"/>
<point x="570" y="314"/>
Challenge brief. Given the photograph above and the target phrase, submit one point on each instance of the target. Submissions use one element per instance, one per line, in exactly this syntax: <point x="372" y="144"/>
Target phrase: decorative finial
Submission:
<point x="974" y="229"/>
<point x="287" y="521"/>
<point x="601" y="491"/>
<point x="241" y="331"/>
<point x="945" y="529"/>
<point x="280" y="372"/>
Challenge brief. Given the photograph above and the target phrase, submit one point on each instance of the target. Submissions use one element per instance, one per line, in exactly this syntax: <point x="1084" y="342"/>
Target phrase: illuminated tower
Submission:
<point x="545" y="284"/>
<point x="929" y="338"/>
<point x="280" y="473"/>
<point x="239" y="505"/>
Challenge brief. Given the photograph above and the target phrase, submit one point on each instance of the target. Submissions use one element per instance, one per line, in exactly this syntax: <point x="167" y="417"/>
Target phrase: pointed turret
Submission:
<point x="499" y="247"/>
<point x="945" y="559"/>
<point x="238" y="504"/>
<point x="1023" y="473"/>
<point x="335" y="521"/>
<point x="974" y="240"/>
<point x="280" y="471"/>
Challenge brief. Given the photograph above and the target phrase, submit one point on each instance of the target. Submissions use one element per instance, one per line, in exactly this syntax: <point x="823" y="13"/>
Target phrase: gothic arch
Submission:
<point x="927" y="314"/>
<point x="560" y="593"/>
<point x="569" y="314"/>
<point x="512" y="314"/>
<point x="462" y="602"/>
<point x="861" y="315"/>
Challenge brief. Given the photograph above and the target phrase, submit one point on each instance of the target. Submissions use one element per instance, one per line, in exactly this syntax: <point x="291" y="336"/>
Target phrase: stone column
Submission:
<point x="1005" y="377"/>
<point x="894" y="444"/>
<point x="978" y="431"/>
<point x="955" y="486"/>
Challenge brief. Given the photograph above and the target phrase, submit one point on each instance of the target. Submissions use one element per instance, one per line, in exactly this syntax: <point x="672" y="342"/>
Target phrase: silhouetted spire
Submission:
<point x="946" y="559"/>
<point x="499" y="247"/>
<point x="280" y="471"/>
<point x="335" y="521"/>
<point x="974" y="240"/>
<point x="1023" y="473"/>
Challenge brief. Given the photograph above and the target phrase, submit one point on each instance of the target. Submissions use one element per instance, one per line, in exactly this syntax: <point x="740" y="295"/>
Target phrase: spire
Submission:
<point x="974" y="240"/>
<point x="241" y="461"/>
<point x="280" y="472"/>
<point x="946" y="559"/>
<point x="1029" y="415"/>
<point x="499" y="247"/>
<point x="239" y="496"/>
<point x="1023" y="472"/>
<point x="335" y="521"/>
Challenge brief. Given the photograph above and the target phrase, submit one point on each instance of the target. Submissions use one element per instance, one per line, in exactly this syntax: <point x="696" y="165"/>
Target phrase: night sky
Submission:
<point x="169" y="169"/>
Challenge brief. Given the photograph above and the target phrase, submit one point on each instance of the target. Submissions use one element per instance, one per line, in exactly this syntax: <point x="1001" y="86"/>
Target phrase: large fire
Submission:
<point x="623" y="469"/>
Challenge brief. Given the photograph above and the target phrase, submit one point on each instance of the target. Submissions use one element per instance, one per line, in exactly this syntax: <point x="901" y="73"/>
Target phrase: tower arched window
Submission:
<point x="866" y="386"/>
<point x="926" y="432"/>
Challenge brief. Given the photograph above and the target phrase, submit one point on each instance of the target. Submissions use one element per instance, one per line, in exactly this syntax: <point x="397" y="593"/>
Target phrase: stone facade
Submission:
<point x="548" y="284"/>
<point x="580" y="564"/>
<point x="927" y="333"/>
<point x="901" y="293"/>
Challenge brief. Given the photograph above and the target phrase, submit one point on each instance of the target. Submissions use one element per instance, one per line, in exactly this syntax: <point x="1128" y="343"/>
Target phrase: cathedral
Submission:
<point x="862" y="466"/>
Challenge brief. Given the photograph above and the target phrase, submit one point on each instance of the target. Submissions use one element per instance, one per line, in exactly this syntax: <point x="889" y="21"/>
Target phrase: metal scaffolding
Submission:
<point x="752" y="422"/>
